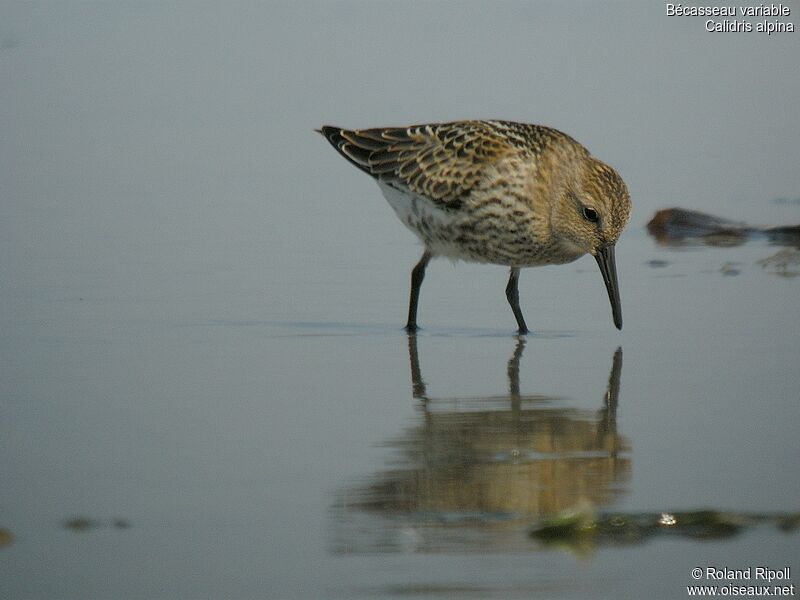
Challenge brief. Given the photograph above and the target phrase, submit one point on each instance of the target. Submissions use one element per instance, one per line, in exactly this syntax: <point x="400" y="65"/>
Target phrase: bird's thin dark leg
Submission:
<point x="512" y="293"/>
<point x="417" y="275"/>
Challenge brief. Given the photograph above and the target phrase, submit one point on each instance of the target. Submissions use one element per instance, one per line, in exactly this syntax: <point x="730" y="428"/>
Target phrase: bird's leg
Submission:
<point x="417" y="275"/>
<point x="512" y="293"/>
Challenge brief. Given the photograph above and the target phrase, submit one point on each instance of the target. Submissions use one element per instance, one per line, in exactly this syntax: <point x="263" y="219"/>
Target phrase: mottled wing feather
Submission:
<point x="441" y="162"/>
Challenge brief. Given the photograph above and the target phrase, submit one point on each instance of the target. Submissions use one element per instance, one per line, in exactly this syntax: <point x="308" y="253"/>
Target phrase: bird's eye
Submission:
<point x="590" y="214"/>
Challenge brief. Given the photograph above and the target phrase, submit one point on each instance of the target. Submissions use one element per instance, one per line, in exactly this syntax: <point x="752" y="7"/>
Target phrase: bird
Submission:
<point x="498" y="192"/>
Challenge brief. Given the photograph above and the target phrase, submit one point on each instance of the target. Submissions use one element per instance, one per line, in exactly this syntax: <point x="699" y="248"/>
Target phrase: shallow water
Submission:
<point x="205" y="387"/>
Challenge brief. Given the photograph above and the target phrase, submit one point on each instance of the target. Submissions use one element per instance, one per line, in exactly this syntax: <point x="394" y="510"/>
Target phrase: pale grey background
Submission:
<point x="201" y="303"/>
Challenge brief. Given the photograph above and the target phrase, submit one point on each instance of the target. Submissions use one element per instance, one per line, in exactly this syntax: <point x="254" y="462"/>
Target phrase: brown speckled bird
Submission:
<point x="495" y="192"/>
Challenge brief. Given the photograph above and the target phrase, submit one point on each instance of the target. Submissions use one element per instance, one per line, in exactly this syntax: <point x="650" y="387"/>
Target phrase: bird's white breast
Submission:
<point x="435" y="227"/>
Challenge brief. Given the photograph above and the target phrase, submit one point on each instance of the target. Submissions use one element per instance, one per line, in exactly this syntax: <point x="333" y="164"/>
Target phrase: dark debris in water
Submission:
<point x="80" y="524"/>
<point x="785" y="263"/>
<point x="676" y="227"/>
<point x="657" y="264"/>
<point x="582" y="530"/>
<point x="6" y="537"/>
<point x="679" y="226"/>
<point x="730" y="269"/>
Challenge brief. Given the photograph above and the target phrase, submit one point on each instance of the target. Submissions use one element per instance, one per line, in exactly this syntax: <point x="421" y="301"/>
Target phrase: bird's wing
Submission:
<point x="441" y="161"/>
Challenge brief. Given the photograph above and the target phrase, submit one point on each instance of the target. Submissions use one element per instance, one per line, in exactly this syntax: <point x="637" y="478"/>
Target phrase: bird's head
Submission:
<point x="593" y="209"/>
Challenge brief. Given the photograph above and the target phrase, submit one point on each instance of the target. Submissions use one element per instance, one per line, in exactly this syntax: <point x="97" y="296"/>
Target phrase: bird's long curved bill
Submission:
<point x="608" y="267"/>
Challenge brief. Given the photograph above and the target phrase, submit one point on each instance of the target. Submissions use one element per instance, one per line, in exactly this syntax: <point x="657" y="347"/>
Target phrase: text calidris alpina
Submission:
<point x="495" y="192"/>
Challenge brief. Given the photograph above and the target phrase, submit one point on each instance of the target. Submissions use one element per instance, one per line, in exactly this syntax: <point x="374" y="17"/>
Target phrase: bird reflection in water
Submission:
<point x="474" y="472"/>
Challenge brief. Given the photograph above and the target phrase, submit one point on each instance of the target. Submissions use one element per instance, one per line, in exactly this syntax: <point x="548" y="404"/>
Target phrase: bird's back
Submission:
<point x="440" y="161"/>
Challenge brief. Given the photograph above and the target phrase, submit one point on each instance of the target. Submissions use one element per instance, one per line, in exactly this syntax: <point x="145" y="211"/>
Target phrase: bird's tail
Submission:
<point x="356" y="155"/>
